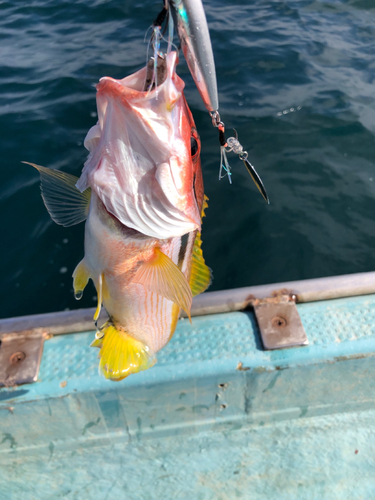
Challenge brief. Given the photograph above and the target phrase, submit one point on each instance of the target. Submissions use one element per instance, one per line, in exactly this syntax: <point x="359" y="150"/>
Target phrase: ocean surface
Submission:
<point x="296" y="79"/>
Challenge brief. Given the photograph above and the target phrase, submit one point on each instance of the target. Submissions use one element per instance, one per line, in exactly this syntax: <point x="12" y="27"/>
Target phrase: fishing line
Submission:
<point x="156" y="37"/>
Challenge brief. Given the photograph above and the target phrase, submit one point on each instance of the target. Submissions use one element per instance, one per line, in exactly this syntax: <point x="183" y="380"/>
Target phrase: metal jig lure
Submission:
<point x="192" y="29"/>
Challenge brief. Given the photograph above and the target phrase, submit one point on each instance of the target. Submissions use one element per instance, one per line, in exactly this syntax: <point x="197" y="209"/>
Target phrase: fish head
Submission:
<point x="144" y="153"/>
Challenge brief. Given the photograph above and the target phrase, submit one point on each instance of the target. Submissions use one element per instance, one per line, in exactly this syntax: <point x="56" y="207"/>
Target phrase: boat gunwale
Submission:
<point x="222" y="301"/>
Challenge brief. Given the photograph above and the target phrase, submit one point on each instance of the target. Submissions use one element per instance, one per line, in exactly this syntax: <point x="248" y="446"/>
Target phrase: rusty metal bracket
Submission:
<point x="279" y="322"/>
<point x="20" y="357"/>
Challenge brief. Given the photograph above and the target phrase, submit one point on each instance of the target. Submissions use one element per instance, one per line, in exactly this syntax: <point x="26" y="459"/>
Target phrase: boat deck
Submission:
<point x="217" y="417"/>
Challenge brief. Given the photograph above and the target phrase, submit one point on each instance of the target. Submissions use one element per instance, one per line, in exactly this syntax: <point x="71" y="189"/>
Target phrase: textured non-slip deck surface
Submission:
<point x="297" y="424"/>
<point x="223" y="337"/>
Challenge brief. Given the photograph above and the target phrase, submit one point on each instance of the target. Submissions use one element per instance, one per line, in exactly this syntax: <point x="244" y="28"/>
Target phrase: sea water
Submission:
<point x="295" y="79"/>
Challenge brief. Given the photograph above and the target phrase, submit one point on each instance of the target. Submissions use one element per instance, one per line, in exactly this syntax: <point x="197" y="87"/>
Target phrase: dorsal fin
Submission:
<point x="204" y="206"/>
<point x="66" y="205"/>
<point x="201" y="274"/>
<point x="162" y="276"/>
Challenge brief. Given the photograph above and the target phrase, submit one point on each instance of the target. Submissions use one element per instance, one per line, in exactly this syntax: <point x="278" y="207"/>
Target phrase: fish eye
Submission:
<point x="194" y="142"/>
<point x="194" y="146"/>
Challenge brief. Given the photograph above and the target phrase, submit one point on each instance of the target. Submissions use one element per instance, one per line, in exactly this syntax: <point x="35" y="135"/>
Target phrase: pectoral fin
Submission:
<point x="162" y="276"/>
<point x="66" y="205"/>
<point x="201" y="274"/>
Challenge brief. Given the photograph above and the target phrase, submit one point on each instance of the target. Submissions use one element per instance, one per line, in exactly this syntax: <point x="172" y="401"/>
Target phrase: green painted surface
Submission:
<point x="298" y="423"/>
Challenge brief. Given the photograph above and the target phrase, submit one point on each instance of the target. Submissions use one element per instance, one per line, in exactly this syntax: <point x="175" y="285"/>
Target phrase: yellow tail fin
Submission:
<point x="121" y="355"/>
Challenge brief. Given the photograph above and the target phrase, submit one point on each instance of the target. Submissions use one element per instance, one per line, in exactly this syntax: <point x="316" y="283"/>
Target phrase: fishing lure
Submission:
<point x="234" y="145"/>
<point x="191" y="25"/>
<point x="157" y="36"/>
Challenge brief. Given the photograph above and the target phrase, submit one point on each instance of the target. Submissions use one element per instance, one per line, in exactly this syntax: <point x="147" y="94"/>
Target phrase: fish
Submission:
<point x="141" y="196"/>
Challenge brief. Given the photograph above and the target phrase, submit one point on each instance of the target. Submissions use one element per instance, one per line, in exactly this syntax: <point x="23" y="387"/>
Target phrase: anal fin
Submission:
<point x="162" y="276"/>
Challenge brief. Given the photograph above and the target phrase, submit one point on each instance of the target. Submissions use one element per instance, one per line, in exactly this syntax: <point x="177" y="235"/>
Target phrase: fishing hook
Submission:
<point x="234" y="145"/>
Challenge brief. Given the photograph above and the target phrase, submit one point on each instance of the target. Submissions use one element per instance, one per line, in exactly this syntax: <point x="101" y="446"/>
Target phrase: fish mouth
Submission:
<point x="155" y="80"/>
<point x="147" y="82"/>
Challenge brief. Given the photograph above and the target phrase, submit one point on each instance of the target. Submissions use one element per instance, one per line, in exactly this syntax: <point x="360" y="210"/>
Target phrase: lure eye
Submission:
<point x="194" y="146"/>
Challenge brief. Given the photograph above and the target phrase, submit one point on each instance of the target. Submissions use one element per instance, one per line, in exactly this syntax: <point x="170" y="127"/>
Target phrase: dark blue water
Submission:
<point x="296" y="79"/>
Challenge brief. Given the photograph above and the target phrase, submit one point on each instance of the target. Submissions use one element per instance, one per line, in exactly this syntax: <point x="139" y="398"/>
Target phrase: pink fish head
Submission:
<point x="141" y="164"/>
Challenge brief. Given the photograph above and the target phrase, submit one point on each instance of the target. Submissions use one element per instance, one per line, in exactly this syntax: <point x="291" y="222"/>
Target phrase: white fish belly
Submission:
<point x="114" y="253"/>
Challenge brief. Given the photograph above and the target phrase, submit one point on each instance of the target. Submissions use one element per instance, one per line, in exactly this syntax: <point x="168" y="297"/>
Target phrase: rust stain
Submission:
<point x="250" y="299"/>
<point x="352" y="356"/>
<point x="63" y="383"/>
<point x="240" y="367"/>
<point x="261" y="369"/>
<point x="277" y="297"/>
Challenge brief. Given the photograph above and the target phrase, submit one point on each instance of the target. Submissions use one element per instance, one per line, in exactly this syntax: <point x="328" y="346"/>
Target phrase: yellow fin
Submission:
<point x="201" y="274"/>
<point x="204" y="206"/>
<point x="162" y="276"/>
<point x="65" y="203"/>
<point x="99" y="291"/>
<point x="97" y="342"/>
<point x="81" y="277"/>
<point x="99" y="336"/>
<point x="121" y="355"/>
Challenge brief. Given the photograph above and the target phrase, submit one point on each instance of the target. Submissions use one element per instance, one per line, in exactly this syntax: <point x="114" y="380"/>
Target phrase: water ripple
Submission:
<point x="296" y="79"/>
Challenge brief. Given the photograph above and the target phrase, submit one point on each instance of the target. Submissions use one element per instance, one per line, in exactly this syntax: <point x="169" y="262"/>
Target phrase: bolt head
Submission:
<point x="17" y="357"/>
<point x="279" y="322"/>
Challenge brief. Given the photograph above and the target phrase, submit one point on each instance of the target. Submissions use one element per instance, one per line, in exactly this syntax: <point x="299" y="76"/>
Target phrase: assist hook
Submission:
<point x="234" y="145"/>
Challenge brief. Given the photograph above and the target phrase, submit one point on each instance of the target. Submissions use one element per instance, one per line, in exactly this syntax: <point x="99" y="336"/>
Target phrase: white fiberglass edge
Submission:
<point x="222" y="301"/>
